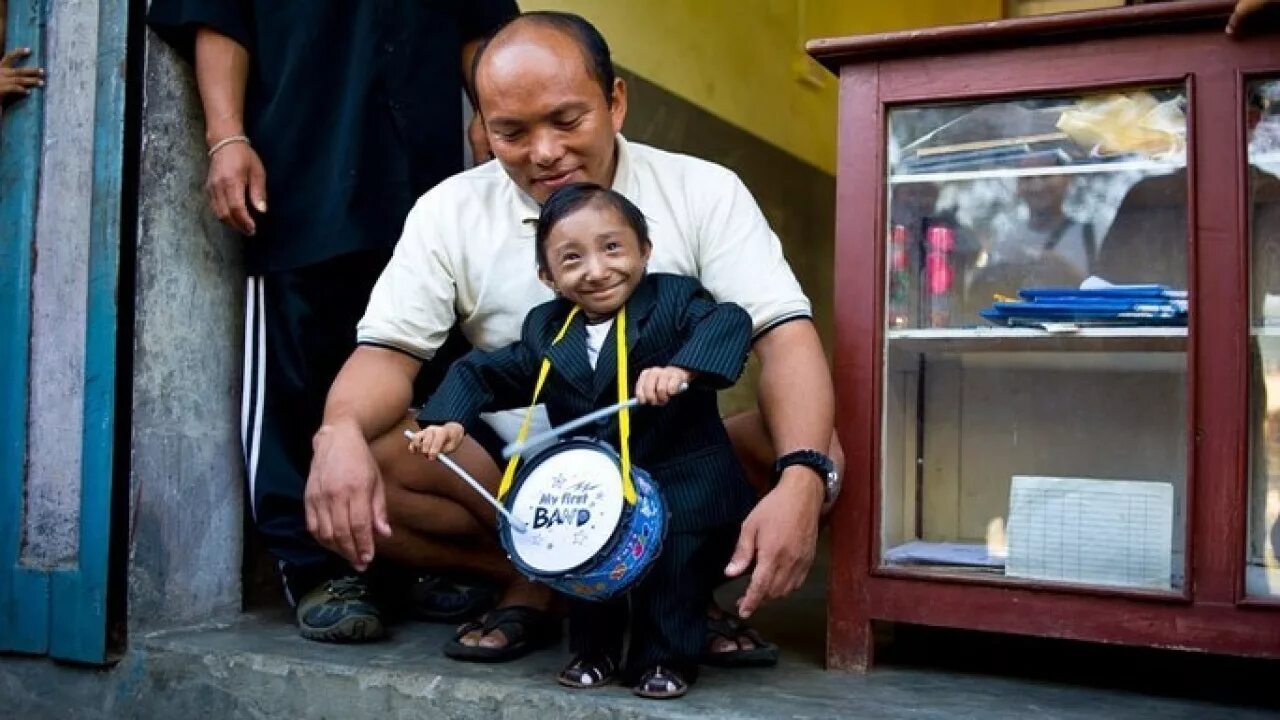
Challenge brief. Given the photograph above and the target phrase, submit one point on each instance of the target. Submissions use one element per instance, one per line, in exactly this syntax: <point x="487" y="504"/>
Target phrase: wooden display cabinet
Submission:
<point x="1100" y="473"/>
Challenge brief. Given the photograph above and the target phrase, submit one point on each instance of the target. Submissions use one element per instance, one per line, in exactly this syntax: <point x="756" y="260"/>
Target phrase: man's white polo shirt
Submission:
<point x="467" y="252"/>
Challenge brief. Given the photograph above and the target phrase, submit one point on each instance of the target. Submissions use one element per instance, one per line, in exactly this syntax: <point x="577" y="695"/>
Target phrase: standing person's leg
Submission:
<point x="299" y="329"/>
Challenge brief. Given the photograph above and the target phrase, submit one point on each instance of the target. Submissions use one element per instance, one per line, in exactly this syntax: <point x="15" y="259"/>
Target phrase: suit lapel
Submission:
<point x="569" y="356"/>
<point x="639" y="306"/>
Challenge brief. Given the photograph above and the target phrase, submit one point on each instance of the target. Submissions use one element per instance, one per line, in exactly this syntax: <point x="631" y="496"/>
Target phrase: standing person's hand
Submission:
<point x="236" y="179"/>
<point x="345" y="500"/>
<point x="16" y="82"/>
<point x="1247" y="13"/>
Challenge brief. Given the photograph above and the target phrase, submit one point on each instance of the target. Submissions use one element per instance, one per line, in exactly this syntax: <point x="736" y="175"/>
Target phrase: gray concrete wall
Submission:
<point x="187" y="478"/>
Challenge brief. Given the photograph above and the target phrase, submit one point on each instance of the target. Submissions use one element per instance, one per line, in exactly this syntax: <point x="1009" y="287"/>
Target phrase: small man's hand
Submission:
<point x="16" y="82"/>
<point x="236" y="176"/>
<point x="657" y="385"/>
<point x="1248" y="12"/>
<point x="436" y="439"/>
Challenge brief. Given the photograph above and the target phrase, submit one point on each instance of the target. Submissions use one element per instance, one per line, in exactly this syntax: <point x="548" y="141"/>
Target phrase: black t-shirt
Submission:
<point x="354" y="106"/>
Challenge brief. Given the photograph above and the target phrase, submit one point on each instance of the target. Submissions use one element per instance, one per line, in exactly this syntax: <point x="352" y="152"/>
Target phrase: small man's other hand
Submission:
<point x="236" y="177"/>
<point x="16" y="82"/>
<point x="1248" y="13"/>
<point x="436" y="439"/>
<point x="656" y="386"/>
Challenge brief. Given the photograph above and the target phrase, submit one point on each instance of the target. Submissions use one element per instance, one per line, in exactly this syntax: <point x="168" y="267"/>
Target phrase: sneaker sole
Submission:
<point x="347" y="630"/>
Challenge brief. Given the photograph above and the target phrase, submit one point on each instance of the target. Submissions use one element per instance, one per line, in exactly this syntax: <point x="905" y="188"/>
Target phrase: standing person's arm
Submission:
<point x="742" y="262"/>
<point x="236" y="175"/>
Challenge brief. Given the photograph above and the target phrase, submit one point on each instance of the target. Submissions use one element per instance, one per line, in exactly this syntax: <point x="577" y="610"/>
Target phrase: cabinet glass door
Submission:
<point x="1035" y="415"/>
<point x="1262" y="570"/>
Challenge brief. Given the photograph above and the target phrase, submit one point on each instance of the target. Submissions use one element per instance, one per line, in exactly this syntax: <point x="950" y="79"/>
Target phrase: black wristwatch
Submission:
<point x="821" y="464"/>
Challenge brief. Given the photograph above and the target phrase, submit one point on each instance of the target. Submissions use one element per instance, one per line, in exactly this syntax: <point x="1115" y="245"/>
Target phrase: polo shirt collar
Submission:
<point x="527" y="209"/>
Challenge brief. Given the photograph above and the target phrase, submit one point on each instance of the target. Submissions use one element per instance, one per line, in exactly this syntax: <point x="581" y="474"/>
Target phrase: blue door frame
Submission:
<point x="60" y="611"/>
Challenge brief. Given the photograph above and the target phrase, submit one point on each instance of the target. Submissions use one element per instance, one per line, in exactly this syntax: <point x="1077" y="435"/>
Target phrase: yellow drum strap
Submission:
<point x="509" y="475"/>
<point x="624" y="415"/>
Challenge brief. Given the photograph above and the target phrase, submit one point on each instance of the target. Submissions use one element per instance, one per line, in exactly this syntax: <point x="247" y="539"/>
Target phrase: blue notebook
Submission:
<point x="1117" y="291"/>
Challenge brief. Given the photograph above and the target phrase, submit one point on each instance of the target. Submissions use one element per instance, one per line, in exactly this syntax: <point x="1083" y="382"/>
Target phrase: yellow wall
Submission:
<point x="743" y="60"/>
<point x="1019" y="8"/>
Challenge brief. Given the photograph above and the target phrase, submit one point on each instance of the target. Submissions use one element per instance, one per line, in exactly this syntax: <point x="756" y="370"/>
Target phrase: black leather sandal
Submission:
<point x="661" y="683"/>
<point x="526" y="630"/>
<point x="732" y="628"/>
<point x="585" y="673"/>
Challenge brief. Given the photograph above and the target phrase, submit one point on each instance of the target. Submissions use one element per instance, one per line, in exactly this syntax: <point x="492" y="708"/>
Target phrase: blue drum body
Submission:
<point x="606" y="547"/>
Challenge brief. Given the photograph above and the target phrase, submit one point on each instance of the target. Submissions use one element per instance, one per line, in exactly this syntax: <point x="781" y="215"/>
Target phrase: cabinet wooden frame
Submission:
<point x="1179" y="43"/>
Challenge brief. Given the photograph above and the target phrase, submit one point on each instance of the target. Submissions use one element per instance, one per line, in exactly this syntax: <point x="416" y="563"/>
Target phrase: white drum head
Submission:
<point x="572" y="503"/>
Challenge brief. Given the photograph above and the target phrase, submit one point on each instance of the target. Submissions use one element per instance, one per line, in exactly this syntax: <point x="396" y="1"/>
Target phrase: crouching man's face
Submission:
<point x="548" y="119"/>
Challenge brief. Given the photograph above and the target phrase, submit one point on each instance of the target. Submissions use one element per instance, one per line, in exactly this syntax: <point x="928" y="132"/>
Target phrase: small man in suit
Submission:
<point x="592" y="246"/>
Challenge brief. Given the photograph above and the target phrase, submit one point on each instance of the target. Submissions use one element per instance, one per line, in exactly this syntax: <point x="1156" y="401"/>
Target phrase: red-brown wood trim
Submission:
<point x="1213" y="628"/>
<point x="857" y="287"/>
<point x="1219" y="335"/>
<point x="1057" y="70"/>
<point x="1037" y="30"/>
<point x="1261" y="603"/>
<point x="912" y="575"/>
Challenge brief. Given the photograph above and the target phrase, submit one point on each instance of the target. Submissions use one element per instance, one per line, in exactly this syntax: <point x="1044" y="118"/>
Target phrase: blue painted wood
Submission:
<point x="24" y="593"/>
<point x="62" y="612"/>
<point x="79" y="598"/>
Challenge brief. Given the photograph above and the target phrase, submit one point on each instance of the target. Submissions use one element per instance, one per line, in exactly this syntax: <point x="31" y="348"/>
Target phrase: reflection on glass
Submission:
<point x="988" y="199"/>
<point x="1262" y="571"/>
<point x="1034" y="421"/>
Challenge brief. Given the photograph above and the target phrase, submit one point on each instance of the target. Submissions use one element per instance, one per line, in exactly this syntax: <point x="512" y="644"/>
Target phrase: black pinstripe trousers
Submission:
<point x="667" y="610"/>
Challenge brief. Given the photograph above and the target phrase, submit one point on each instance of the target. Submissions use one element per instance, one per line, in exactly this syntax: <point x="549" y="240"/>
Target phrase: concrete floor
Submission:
<point x="260" y="668"/>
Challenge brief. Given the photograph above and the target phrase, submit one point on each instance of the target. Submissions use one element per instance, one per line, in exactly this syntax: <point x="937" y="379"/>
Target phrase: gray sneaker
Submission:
<point x="340" y="611"/>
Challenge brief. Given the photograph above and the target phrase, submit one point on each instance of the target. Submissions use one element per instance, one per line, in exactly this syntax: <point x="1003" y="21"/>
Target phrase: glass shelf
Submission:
<point x="998" y="339"/>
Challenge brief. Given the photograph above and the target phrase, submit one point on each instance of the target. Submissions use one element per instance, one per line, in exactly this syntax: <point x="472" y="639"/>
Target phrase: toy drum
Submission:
<point x="582" y="537"/>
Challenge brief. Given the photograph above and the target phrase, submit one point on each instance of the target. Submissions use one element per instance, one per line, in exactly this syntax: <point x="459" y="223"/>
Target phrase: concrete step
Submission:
<point x="261" y="668"/>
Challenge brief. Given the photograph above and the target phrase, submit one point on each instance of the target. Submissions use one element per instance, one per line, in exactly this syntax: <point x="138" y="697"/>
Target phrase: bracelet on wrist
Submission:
<point x="229" y="141"/>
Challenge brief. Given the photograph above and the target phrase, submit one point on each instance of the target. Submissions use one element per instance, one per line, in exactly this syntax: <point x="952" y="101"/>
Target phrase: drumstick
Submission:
<point x="550" y="436"/>
<point x="448" y="462"/>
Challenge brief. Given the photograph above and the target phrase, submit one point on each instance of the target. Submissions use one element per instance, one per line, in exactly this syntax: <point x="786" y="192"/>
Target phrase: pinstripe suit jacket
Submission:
<point x="671" y="320"/>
